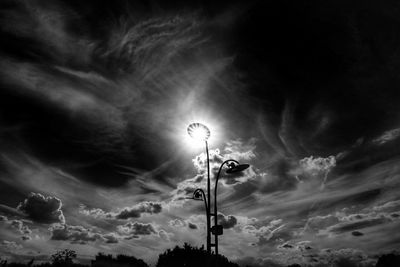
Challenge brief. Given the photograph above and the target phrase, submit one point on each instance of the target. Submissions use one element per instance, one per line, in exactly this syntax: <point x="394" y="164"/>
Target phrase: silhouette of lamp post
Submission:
<point x="201" y="133"/>
<point x="233" y="167"/>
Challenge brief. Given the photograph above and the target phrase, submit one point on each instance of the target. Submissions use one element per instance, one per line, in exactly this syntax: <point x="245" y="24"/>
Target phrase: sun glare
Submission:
<point x="198" y="131"/>
<point x="192" y="129"/>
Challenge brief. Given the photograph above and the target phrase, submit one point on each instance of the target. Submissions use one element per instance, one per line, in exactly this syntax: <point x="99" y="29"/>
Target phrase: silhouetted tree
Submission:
<point x="63" y="258"/>
<point x="102" y="260"/>
<point x="189" y="256"/>
<point x="388" y="260"/>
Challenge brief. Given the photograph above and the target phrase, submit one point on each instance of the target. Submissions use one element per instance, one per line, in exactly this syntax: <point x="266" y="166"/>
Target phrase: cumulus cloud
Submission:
<point x="79" y="234"/>
<point x="42" y="209"/>
<point x="137" y="229"/>
<point x="316" y="167"/>
<point x="9" y="245"/>
<point x="234" y="149"/>
<point x="239" y="150"/>
<point x="164" y="235"/>
<point x="125" y="213"/>
<point x="20" y="227"/>
<point x="16" y="226"/>
<point x="177" y="223"/>
<point x="345" y="257"/>
<point x="200" y="161"/>
<point x="137" y="210"/>
<point x="95" y="212"/>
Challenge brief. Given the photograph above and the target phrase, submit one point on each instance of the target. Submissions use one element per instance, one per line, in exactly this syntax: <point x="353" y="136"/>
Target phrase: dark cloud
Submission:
<point x="26" y="238"/>
<point x="42" y="209"/>
<point x="137" y="229"/>
<point x="192" y="226"/>
<point x="138" y="210"/>
<point x="110" y="238"/>
<point x="357" y="233"/>
<point x="227" y="222"/>
<point x="286" y="246"/>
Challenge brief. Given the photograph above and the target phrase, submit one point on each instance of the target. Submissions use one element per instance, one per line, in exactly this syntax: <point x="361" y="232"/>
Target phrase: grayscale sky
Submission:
<point x="96" y="96"/>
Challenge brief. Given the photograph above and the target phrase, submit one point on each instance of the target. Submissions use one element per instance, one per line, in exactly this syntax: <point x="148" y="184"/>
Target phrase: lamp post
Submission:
<point x="200" y="132"/>
<point x="233" y="167"/>
<point x="199" y="194"/>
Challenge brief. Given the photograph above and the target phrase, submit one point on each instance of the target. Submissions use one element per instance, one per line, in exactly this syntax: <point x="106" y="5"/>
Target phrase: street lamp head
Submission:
<point x="198" y="131"/>
<point x="197" y="195"/>
<point x="233" y="168"/>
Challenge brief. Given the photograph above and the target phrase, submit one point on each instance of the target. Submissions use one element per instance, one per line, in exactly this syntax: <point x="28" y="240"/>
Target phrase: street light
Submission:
<point x="233" y="167"/>
<point x="200" y="132"/>
<point x="199" y="195"/>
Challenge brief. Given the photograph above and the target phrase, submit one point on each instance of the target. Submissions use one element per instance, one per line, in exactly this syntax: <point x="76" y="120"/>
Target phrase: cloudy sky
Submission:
<point x="96" y="96"/>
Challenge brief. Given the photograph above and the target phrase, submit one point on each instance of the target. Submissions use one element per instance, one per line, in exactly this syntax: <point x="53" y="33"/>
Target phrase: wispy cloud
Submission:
<point x="387" y="136"/>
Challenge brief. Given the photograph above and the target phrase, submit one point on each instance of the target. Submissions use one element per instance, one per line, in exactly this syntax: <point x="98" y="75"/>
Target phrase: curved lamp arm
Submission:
<point x="216" y="180"/>
<point x="203" y="196"/>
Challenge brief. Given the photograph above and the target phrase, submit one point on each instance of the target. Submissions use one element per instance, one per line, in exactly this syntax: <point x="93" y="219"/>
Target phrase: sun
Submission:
<point x="198" y="131"/>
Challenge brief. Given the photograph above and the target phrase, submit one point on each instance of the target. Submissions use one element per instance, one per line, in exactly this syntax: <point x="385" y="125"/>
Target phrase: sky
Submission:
<point x="96" y="97"/>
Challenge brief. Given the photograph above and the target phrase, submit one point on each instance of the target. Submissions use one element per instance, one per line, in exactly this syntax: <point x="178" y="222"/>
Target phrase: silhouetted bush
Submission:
<point x="388" y="260"/>
<point x="103" y="260"/>
<point x="189" y="256"/>
<point x="63" y="258"/>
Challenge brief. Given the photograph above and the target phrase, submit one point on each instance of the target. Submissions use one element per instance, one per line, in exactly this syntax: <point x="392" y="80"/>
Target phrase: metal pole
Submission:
<point x="215" y="210"/>
<point x="215" y="202"/>
<point x="209" y="202"/>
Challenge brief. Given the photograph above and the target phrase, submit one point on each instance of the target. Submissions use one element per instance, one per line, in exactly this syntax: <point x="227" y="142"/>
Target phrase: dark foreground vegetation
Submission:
<point x="186" y="256"/>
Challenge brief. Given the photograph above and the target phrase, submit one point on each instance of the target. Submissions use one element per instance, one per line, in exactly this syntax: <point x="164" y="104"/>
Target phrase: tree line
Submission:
<point x="186" y="256"/>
